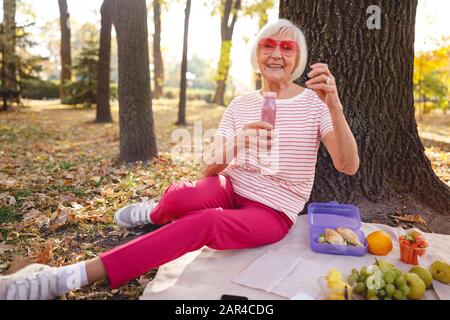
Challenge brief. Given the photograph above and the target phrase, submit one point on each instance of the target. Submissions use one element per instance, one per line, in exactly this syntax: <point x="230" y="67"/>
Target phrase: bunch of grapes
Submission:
<point x="379" y="282"/>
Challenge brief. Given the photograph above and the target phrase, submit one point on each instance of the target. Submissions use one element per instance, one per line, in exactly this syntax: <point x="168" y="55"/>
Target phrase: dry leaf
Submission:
<point x="415" y="218"/>
<point x="27" y="205"/>
<point x="6" y="247"/>
<point x="45" y="253"/>
<point x="31" y="215"/>
<point x="12" y="201"/>
<point x="18" y="262"/>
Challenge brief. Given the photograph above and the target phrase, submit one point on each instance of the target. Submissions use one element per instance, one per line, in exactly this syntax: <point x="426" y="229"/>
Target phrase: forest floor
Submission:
<point x="60" y="182"/>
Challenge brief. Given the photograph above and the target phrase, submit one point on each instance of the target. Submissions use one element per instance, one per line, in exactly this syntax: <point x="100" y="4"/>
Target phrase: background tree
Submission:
<point x="374" y="73"/>
<point x="260" y="10"/>
<point x="228" y="15"/>
<point x="104" y="61"/>
<point x="182" y="104"/>
<point x="19" y="68"/>
<point x="84" y="88"/>
<point x="157" y="56"/>
<point x="137" y="135"/>
<point x="8" y="51"/>
<point x="432" y="79"/>
<point x="66" y="58"/>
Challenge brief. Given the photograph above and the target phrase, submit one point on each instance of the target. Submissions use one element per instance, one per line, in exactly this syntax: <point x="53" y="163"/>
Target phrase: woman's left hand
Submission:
<point x="324" y="84"/>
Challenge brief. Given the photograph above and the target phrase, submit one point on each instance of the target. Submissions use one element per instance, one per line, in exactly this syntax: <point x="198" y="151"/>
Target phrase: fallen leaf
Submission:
<point x="45" y="253"/>
<point x="31" y="215"/>
<point x="18" y="262"/>
<point x="6" y="247"/>
<point x="415" y="218"/>
<point x="12" y="201"/>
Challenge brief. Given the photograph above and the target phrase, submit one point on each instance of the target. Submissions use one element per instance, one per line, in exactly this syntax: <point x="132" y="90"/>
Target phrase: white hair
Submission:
<point x="283" y="26"/>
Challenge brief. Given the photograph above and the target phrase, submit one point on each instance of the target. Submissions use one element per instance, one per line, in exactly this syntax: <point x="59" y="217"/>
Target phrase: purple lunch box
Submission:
<point x="334" y="215"/>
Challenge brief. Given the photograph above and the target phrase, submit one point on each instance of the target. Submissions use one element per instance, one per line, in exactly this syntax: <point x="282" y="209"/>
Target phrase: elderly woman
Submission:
<point x="239" y="203"/>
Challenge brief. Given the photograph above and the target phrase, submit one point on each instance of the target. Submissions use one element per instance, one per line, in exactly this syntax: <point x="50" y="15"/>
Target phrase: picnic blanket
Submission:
<point x="288" y="269"/>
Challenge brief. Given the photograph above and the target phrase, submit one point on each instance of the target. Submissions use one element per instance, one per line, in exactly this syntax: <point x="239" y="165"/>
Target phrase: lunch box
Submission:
<point x="334" y="215"/>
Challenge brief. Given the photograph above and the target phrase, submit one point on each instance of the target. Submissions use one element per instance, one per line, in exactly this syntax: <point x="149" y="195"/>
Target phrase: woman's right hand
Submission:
<point x="256" y="136"/>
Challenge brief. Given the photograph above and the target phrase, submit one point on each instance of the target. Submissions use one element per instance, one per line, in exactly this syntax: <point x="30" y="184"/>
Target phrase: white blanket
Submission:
<point x="284" y="270"/>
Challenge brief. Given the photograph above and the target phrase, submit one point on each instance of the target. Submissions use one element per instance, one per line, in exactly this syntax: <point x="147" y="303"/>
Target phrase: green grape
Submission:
<point x="372" y="293"/>
<point x="374" y="298"/>
<point x="404" y="289"/>
<point x="363" y="271"/>
<point x="362" y="278"/>
<point x="355" y="271"/>
<point x="389" y="277"/>
<point x="381" y="293"/>
<point x="390" y="289"/>
<point x="398" y="295"/>
<point x="400" y="281"/>
<point x="387" y="298"/>
<point x="352" y="279"/>
<point x="398" y="273"/>
<point x="360" y="287"/>
<point x="382" y="283"/>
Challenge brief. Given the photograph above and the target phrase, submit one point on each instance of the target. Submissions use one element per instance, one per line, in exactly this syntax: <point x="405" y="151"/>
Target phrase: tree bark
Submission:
<point x="157" y="56"/>
<point x="137" y="136"/>
<point x="9" y="72"/>
<point x="374" y="73"/>
<point x="66" y="58"/>
<point x="104" y="61"/>
<point x="182" y="103"/>
<point x="229" y="9"/>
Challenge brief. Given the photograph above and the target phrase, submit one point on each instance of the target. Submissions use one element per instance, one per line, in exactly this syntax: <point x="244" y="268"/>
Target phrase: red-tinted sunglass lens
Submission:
<point x="268" y="44"/>
<point x="288" y="47"/>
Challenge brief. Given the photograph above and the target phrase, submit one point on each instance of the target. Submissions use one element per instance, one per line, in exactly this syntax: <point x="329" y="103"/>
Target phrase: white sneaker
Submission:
<point x="135" y="215"/>
<point x="34" y="282"/>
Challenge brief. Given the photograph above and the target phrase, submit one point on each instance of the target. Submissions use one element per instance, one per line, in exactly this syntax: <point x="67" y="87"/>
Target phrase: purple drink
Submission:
<point x="269" y="108"/>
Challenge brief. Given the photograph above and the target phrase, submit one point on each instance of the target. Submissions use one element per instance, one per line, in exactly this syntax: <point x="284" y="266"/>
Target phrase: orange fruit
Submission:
<point x="379" y="243"/>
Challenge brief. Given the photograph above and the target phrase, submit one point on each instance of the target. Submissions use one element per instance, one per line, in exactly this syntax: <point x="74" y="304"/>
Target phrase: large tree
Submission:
<point x="104" y="61"/>
<point x="66" y="57"/>
<point x="157" y="56"/>
<point x="228" y="15"/>
<point x="137" y="135"/>
<point x="8" y="51"/>
<point x="374" y="72"/>
<point x="182" y="102"/>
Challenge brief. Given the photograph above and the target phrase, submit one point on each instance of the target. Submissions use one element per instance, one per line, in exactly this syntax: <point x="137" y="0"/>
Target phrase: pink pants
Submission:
<point x="202" y="213"/>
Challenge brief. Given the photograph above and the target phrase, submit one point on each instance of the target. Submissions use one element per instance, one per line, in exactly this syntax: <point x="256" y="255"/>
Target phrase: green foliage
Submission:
<point x="259" y="9"/>
<point x="23" y="66"/>
<point x="40" y="90"/>
<point x="432" y="79"/>
<point x="84" y="89"/>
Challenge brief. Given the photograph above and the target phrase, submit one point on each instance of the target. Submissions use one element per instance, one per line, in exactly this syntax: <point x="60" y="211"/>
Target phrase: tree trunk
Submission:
<point x="229" y="8"/>
<point x="66" y="58"/>
<point x="9" y="72"/>
<point x="157" y="56"/>
<point x="137" y="136"/>
<point x="104" y="60"/>
<point x="374" y="73"/>
<point x="182" y="104"/>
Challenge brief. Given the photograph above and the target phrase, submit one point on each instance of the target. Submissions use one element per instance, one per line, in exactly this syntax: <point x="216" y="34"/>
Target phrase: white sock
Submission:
<point x="71" y="277"/>
<point x="149" y="215"/>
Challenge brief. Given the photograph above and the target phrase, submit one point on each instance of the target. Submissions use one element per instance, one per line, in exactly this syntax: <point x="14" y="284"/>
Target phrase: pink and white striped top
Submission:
<point x="301" y="123"/>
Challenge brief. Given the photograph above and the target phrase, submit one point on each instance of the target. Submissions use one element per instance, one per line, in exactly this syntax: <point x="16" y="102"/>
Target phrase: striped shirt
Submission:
<point x="301" y="123"/>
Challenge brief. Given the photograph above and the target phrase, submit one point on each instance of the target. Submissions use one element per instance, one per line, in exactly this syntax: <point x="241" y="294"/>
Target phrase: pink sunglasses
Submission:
<point x="287" y="47"/>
